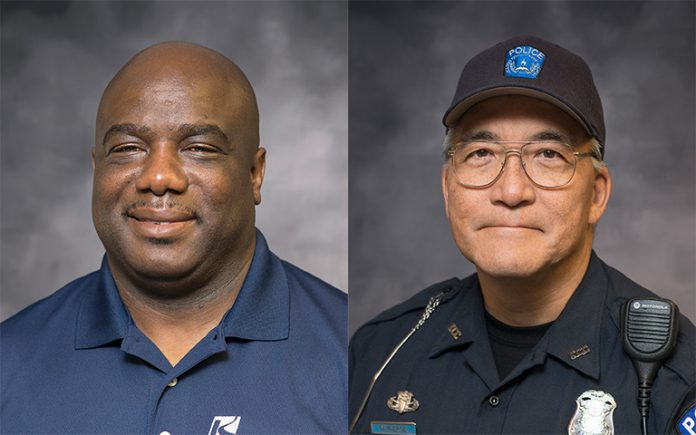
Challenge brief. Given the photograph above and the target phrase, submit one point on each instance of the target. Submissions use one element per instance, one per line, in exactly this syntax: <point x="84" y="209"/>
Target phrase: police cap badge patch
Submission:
<point x="524" y="61"/>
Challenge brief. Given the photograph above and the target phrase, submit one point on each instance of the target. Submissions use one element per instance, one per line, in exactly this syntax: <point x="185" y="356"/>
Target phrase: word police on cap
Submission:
<point x="527" y="49"/>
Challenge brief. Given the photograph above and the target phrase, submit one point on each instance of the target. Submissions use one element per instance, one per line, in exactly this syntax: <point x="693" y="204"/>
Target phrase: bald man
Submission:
<point x="191" y="325"/>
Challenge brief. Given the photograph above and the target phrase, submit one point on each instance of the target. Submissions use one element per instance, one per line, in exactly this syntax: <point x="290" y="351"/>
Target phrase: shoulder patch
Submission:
<point x="686" y="425"/>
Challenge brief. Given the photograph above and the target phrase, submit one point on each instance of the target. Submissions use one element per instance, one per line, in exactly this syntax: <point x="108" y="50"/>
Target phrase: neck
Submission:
<point x="175" y="324"/>
<point x="536" y="299"/>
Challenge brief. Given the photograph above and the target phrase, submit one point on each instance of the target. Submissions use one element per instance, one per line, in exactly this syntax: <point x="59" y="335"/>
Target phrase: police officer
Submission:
<point x="531" y="343"/>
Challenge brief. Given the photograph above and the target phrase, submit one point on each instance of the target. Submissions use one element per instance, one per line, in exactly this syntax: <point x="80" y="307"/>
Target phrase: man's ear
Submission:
<point x="258" y="169"/>
<point x="94" y="153"/>
<point x="445" y="192"/>
<point x="601" y="191"/>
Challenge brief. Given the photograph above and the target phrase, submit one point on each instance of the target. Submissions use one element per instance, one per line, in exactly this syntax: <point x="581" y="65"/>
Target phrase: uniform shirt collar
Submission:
<point x="260" y="312"/>
<point x="573" y="338"/>
<point x="467" y="317"/>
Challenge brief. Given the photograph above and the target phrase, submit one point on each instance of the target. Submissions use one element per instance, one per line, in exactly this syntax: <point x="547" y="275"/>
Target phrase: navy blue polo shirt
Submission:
<point x="76" y="363"/>
<point x="449" y="368"/>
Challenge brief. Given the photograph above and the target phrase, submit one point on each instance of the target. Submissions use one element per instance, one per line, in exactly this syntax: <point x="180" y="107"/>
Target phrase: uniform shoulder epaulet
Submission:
<point x="420" y="300"/>
<point x="621" y="289"/>
<point x="682" y="360"/>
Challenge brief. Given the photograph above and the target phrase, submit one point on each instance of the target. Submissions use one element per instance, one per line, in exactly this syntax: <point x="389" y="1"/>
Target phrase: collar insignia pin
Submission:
<point x="593" y="415"/>
<point x="454" y="331"/>
<point x="403" y="402"/>
<point x="581" y="351"/>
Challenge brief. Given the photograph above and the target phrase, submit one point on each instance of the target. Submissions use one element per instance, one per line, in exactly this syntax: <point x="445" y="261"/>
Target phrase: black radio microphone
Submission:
<point x="650" y="328"/>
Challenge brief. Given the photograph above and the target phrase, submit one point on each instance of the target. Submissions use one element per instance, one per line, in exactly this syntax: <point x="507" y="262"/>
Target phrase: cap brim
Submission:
<point x="458" y="111"/>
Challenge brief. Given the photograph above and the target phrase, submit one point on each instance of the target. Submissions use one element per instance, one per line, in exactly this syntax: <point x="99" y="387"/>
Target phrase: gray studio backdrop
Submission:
<point x="57" y="57"/>
<point x="404" y="63"/>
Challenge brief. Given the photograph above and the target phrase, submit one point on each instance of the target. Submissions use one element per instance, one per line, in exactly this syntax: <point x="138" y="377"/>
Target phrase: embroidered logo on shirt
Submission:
<point x="687" y="423"/>
<point x="223" y="425"/>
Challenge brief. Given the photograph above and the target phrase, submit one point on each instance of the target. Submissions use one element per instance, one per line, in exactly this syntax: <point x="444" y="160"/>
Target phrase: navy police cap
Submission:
<point x="528" y="65"/>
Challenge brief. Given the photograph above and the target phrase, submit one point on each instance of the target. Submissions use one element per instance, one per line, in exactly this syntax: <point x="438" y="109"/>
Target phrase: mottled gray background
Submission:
<point x="58" y="56"/>
<point x="404" y="63"/>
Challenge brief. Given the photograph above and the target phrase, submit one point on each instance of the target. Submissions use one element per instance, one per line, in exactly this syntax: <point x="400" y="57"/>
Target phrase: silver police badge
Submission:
<point x="594" y="414"/>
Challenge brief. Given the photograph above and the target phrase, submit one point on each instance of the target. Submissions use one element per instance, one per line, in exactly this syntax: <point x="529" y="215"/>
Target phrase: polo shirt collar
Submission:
<point x="262" y="309"/>
<point x="573" y="338"/>
<point x="102" y="318"/>
<point x="260" y="312"/>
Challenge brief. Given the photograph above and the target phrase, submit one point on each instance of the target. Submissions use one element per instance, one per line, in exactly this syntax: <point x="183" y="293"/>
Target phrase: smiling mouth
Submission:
<point x="158" y="224"/>
<point x="160" y="221"/>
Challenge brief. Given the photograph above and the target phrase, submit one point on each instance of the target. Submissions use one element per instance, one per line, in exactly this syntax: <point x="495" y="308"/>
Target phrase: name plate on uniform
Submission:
<point x="392" y="427"/>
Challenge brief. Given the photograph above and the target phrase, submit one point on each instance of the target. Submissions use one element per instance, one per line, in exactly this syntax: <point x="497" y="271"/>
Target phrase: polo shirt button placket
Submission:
<point x="173" y="382"/>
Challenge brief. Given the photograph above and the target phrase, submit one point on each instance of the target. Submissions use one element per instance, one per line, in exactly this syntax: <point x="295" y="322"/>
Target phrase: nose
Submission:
<point x="162" y="172"/>
<point x="513" y="188"/>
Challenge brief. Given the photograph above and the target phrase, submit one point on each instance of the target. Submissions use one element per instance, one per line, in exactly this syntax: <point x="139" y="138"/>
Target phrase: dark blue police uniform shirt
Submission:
<point x="76" y="363"/>
<point x="454" y="378"/>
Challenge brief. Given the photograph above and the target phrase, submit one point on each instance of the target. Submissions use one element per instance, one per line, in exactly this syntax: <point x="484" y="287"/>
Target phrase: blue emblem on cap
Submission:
<point x="524" y="61"/>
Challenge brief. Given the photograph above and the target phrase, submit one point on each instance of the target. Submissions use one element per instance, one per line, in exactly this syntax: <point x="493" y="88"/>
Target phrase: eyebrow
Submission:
<point x="129" y="129"/>
<point x="188" y="130"/>
<point x="184" y="130"/>
<point x="552" y="135"/>
<point x="542" y="135"/>
<point x="478" y="135"/>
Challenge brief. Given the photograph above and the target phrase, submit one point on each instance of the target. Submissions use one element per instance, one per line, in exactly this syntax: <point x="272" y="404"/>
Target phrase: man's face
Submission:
<point x="513" y="228"/>
<point x="175" y="177"/>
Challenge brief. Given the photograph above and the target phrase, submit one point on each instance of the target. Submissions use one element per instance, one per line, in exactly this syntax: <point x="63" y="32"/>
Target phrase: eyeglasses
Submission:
<point x="548" y="163"/>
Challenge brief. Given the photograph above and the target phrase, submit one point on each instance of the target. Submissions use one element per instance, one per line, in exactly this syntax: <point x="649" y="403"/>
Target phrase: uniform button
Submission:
<point x="494" y="400"/>
<point x="164" y="432"/>
<point x="172" y="383"/>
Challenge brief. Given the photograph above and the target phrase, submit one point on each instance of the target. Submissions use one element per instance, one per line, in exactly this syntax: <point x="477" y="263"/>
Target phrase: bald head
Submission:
<point x="181" y="67"/>
<point x="177" y="169"/>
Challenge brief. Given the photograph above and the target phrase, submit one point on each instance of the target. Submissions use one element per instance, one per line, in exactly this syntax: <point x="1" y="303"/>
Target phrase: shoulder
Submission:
<point x="37" y="331"/>
<point x="623" y="287"/>
<point x="620" y="290"/>
<point x="318" y="308"/>
<point x="315" y="288"/>
<point x="47" y="312"/>
<point x="374" y="341"/>
<point x="380" y="332"/>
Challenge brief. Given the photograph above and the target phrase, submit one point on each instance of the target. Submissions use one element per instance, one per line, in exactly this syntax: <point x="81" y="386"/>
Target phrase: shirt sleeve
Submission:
<point x="684" y="421"/>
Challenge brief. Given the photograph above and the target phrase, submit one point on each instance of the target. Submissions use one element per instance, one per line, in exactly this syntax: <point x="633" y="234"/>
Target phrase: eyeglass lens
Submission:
<point x="546" y="163"/>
